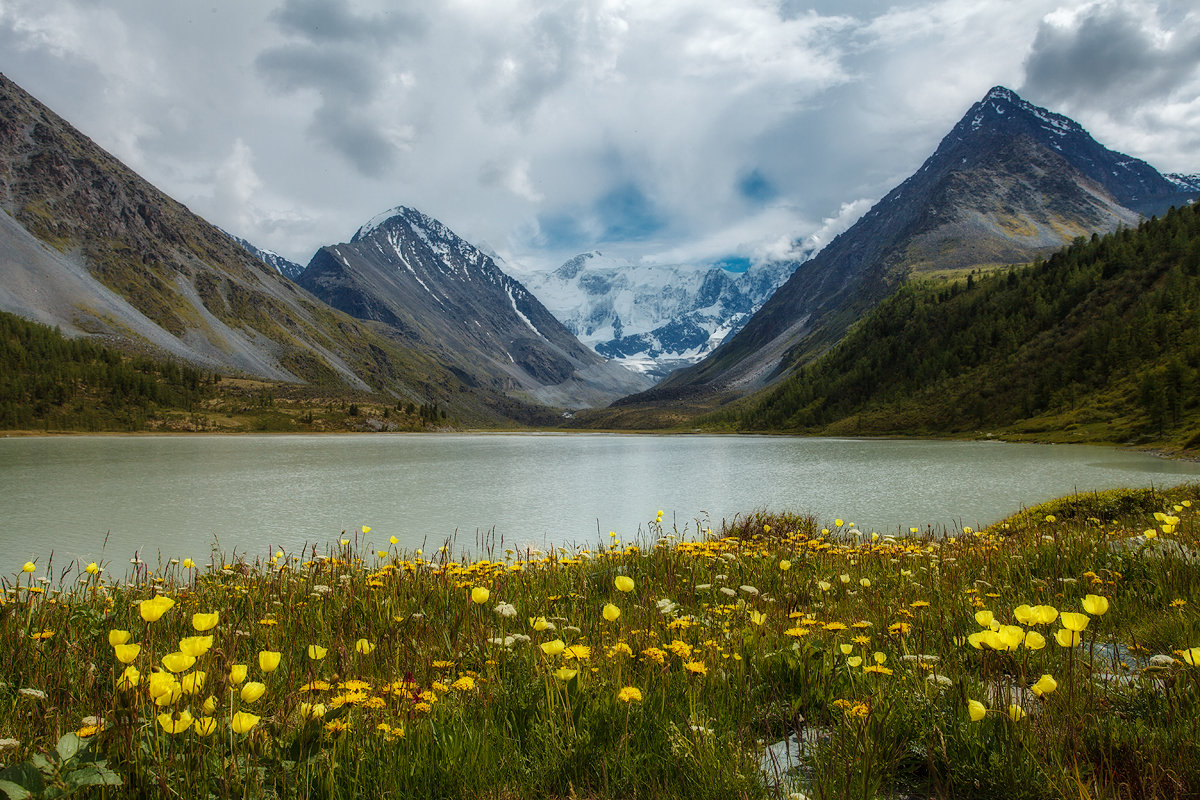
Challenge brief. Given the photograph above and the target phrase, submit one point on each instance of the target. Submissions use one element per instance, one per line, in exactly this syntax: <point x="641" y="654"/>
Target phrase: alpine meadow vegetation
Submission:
<point x="1054" y="654"/>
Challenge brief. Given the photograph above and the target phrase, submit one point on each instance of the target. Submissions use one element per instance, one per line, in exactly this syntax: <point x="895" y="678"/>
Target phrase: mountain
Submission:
<point x="1100" y="342"/>
<point x="285" y="267"/>
<point x="653" y="318"/>
<point x="89" y="246"/>
<point x="439" y="292"/>
<point x="1186" y="183"/>
<point x="1009" y="183"/>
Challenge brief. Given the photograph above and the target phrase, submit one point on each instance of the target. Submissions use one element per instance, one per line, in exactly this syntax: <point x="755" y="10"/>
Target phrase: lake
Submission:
<point x="176" y="495"/>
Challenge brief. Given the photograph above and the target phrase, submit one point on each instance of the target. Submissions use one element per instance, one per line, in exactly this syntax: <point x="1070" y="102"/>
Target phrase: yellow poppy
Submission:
<point x="1095" y="604"/>
<point x="243" y="721"/>
<point x="29" y="566"/>
<point x="129" y="679"/>
<point x="1074" y="621"/>
<point x="984" y="618"/>
<point x="195" y="646"/>
<point x="480" y="595"/>
<point x="538" y="623"/>
<point x="624" y="583"/>
<point x="205" y="622"/>
<point x="854" y="661"/>
<point x="1016" y="713"/>
<point x="564" y="674"/>
<point x="976" y="709"/>
<point x="172" y="724"/>
<point x="785" y="565"/>
<point x="553" y="648"/>
<point x="312" y="710"/>
<point x="1034" y="640"/>
<point x="268" y="660"/>
<point x="364" y="647"/>
<point x="1067" y="638"/>
<point x="92" y="569"/>
<point x="237" y="673"/>
<point x="610" y="612"/>
<point x="126" y="653"/>
<point x="193" y="682"/>
<point x="316" y="652"/>
<point x="758" y="618"/>
<point x="152" y="610"/>
<point x="1045" y="685"/>
<point x="189" y="564"/>
<point x="178" y="662"/>
<point x="116" y="637"/>
<point x="204" y="726"/>
<point x="252" y="691"/>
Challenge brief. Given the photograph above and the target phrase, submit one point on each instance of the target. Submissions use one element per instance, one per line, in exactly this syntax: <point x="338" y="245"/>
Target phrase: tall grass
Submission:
<point x="890" y="665"/>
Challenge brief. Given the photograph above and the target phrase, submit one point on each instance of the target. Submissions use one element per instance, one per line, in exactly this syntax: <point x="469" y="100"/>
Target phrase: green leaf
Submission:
<point x="94" y="775"/>
<point x="43" y="764"/>
<point x="14" y="791"/>
<point x="68" y="746"/>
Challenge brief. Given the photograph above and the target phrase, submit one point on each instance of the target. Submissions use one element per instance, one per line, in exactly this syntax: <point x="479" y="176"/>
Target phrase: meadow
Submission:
<point x="1054" y="654"/>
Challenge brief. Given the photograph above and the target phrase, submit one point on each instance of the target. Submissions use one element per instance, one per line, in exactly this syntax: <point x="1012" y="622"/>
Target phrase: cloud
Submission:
<point x="1130" y="71"/>
<point x="1116" y="52"/>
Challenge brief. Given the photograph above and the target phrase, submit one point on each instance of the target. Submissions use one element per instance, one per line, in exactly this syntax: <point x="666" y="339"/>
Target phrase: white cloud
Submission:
<point x="675" y="128"/>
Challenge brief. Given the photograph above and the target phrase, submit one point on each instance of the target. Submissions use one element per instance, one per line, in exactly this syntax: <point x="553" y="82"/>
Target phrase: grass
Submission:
<point x="660" y="668"/>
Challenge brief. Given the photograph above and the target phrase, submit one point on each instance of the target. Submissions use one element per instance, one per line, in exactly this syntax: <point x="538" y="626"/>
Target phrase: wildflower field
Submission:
<point x="1055" y="654"/>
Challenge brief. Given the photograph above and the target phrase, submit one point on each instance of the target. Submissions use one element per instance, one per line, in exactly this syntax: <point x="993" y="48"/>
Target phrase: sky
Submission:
<point x="660" y="131"/>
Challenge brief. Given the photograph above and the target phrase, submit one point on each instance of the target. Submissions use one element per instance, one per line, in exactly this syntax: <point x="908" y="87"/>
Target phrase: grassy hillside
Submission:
<point x="1101" y="342"/>
<point x="51" y="383"/>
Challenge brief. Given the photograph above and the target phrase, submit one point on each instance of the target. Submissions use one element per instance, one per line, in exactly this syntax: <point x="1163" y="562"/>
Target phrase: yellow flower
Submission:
<point x="758" y="618"/>
<point x="195" y="646"/>
<point x="984" y="618"/>
<point x="1045" y="614"/>
<point x="316" y="652"/>
<point x="393" y="540"/>
<point x="243" y="721"/>
<point x="164" y="688"/>
<point x="610" y="612"/>
<point x="1095" y="604"/>
<point x="205" y="622"/>
<point x="1024" y="614"/>
<point x="880" y="658"/>
<point x="1045" y="685"/>
<point x="1191" y="656"/>
<point x="1016" y="713"/>
<point x="193" y="682"/>
<point x="877" y="669"/>
<point x="976" y="709"/>
<point x="237" y="673"/>
<point x="1067" y="638"/>
<point x="366" y="528"/>
<point x="1074" y="621"/>
<point x="178" y="662"/>
<point x="312" y="710"/>
<point x="480" y="595"/>
<point x="116" y="637"/>
<point x="252" y="691"/>
<point x="189" y="564"/>
<point x="553" y="648"/>
<point x="129" y="679"/>
<point x="854" y="661"/>
<point x="126" y="653"/>
<point x="846" y="649"/>
<point x="210" y="704"/>
<point x="624" y="583"/>
<point x="785" y="565"/>
<point x="629" y="694"/>
<point x="29" y="566"/>
<point x="564" y="674"/>
<point x="580" y="652"/>
<point x="364" y="647"/>
<point x="864" y="582"/>
<point x="464" y="684"/>
<point x="173" y="725"/>
<point x="538" y="623"/>
<point x="696" y="667"/>
<point x="92" y="569"/>
<point x="152" y="610"/>
<point x="824" y="586"/>
<point x="204" y="726"/>
<point x="838" y="523"/>
<point x="1034" y="640"/>
<point x="268" y="660"/>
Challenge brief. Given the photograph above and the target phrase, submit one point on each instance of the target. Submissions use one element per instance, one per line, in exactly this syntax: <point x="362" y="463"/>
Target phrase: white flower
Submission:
<point x="321" y="588"/>
<point x="8" y="744"/>
<point x="36" y="694"/>
<point x="940" y="680"/>
<point x="725" y="590"/>
<point x="506" y="610"/>
<point x="721" y="577"/>
<point x="703" y="587"/>
<point x="665" y="606"/>
<point x="750" y="590"/>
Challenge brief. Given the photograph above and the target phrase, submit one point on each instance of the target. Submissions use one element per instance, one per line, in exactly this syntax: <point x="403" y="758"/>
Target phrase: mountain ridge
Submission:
<point x="1026" y="158"/>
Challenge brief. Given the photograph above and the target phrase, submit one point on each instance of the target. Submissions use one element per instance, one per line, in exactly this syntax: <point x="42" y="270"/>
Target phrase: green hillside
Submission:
<point x="1101" y="342"/>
